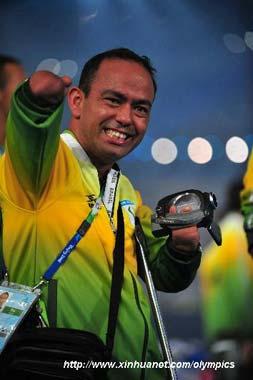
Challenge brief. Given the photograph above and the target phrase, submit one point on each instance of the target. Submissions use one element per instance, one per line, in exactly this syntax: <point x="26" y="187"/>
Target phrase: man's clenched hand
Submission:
<point x="49" y="88"/>
<point x="185" y="239"/>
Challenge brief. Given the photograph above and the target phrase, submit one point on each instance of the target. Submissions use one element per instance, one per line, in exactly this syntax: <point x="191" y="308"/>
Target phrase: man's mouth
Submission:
<point x="116" y="134"/>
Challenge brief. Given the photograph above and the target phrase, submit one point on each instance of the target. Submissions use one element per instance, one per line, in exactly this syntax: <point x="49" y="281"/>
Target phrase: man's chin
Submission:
<point x="114" y="155"/>
<point x="112" y="158"/>
<point x="111" y="153"/>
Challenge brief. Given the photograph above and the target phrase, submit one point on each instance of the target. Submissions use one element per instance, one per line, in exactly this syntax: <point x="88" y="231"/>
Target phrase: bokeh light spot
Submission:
<point x="237" y="150"/>
<point x="164" y="151"/>
<point x="200" y="150"/>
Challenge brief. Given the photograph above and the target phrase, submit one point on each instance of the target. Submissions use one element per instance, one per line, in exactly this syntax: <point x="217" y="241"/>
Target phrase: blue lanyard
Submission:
<point x="107" y="198"/>
<point x="71" y="245"/>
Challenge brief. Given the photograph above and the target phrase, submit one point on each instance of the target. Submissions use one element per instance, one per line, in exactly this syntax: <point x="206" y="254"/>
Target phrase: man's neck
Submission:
<point x="102" y="169"/>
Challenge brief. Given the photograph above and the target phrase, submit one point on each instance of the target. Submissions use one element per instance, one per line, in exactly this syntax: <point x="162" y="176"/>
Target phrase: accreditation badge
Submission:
<point x="15" y="302"/>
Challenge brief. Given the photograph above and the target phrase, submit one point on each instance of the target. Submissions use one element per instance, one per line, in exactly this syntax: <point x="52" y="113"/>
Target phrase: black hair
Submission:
<point x="4" y="60"/>
<point x="91" y="67"/>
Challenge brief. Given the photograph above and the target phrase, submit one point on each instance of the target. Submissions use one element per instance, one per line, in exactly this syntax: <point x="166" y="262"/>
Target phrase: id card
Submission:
<point x="15" y="302"/>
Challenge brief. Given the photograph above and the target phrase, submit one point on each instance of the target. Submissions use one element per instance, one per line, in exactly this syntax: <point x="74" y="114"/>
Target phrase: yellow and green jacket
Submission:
<point x="226" y="276"/>
<point x="247" y="203"/>
<point x="46" y="190"/>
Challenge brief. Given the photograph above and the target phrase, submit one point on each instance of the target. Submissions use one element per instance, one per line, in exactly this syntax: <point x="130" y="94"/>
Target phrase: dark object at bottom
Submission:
<point x="53" y="353"/>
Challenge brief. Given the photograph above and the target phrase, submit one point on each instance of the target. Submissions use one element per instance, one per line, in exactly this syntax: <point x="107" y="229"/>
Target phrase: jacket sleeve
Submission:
<point x="32" y="140"/>
<point x="247" y="203"/>
<point x="171" y="270"/>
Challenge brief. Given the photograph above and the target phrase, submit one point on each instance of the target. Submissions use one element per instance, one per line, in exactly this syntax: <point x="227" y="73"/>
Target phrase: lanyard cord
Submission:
<point x="65" y="252"/>
<point x="71" y="245"/>
<point x="107" y="198"/>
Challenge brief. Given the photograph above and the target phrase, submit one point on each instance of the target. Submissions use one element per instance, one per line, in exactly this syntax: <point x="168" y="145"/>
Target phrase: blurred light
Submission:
<point x="237" y="150"/>
<point x="164" y="151"/>
<point x="67" y="67"/>
<point x="234" y="43"/>
<point x="248" y="38"/>
<point x="49" y="64"/>
<point x="200" y="150"/>
<point x="86" y="18"/>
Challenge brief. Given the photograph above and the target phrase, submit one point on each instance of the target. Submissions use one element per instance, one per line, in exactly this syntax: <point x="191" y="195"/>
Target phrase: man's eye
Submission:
<point x="113" y="101"/>
<point x="142" y="110"/>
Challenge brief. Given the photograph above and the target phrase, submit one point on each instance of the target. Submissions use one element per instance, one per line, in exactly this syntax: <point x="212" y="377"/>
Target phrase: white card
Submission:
<point x="15" y="302"/>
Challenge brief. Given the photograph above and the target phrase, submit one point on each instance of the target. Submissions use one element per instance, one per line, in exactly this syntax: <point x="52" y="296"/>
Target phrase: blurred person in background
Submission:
<point x="226" y="278"/>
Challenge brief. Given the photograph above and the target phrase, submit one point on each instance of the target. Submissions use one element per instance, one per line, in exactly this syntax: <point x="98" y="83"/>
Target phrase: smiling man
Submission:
<point x="114" y="113"/>
<point x="51" y="183"/>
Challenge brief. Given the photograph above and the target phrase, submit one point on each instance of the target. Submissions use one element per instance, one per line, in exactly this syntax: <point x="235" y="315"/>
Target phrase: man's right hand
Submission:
<point x="49" y="88"/>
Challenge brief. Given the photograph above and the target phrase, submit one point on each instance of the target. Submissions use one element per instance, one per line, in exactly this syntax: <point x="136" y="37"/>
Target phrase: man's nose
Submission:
<point x="124" y="114"/>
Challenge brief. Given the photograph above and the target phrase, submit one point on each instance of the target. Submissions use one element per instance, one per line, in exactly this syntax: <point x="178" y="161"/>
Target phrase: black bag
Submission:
<point x="40" y="353"/>
<point x="49" y="353"/>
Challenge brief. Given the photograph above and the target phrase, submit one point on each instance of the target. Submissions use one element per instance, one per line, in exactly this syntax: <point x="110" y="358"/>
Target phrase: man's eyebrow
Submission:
<point x="142" y="102"/>
<point x="121" y="96"/>
<point x="114" y="93"/>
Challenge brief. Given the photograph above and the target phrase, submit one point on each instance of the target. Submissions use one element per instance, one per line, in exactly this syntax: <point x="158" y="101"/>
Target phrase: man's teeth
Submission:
<point x="117" y="134"/>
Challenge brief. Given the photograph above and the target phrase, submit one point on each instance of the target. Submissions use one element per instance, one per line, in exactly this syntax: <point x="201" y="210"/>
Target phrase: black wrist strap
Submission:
<point x="117" y="280"/>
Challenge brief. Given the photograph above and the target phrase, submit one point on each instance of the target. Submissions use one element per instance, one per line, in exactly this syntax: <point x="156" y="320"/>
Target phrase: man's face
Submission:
<point x="14" y="75"/>
<point x="3" y="297"/>
<point x="116" y="112"/>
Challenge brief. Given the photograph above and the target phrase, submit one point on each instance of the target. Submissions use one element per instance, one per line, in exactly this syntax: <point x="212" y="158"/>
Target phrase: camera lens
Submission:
<point x="187" y="202"/>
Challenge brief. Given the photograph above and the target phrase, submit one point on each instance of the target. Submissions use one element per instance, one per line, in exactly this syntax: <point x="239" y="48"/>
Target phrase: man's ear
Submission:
<point x="75" y="101"/>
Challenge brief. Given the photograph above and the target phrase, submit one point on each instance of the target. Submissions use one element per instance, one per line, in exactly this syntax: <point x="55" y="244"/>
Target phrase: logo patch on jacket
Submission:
<point x="91" y="200"/>
<point x="129" y="207"/>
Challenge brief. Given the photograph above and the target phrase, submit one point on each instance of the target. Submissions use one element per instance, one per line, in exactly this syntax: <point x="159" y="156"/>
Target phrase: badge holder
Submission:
<point x="16" y="301"/>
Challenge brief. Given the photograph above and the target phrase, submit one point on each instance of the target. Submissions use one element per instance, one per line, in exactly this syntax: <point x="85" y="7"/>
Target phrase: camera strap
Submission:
<point x="117" y="280"/>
